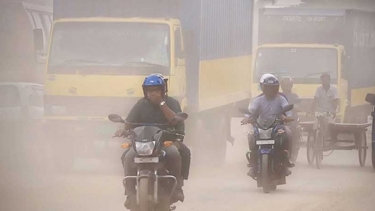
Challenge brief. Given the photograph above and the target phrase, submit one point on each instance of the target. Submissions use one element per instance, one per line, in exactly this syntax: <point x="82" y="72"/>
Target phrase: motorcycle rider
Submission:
<point x="158" y="108"/>
<point x="268" y="105"/>
<point x="286" y="87"/>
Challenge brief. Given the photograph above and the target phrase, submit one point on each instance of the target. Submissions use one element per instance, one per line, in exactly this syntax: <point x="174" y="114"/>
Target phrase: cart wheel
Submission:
<point x="310" y="148"/>
<point x="362" y="149"/>
<point x="319" y="148"/>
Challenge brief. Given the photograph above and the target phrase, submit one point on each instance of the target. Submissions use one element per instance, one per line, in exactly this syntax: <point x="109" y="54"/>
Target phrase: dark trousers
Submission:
<point x="186" y="158"/>
<point x="175" y="154"/>
<point x="286" y="145"/>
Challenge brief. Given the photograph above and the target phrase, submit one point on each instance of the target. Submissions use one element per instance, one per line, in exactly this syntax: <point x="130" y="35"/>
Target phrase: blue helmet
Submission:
<point x="154" y="80"/>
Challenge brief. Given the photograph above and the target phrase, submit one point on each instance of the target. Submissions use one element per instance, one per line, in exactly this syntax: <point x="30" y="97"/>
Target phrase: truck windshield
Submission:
<point x="304" y="65"/>
<point x="117" y="44"/>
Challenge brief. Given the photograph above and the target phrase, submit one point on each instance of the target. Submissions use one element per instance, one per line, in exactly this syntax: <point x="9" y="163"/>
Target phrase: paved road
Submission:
<point x="341" y="185"/>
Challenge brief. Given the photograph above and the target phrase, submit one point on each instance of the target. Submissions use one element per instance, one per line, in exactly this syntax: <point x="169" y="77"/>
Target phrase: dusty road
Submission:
<point x="340" y="186"/>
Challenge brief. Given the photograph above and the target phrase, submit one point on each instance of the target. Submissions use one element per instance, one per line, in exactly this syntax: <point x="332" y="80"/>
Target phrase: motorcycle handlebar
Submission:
<point x="146" y="124"/>
<point x="128" y="133"/>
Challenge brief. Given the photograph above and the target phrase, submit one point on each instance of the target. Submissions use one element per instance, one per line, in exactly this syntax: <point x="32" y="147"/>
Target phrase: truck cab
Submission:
<point x="305" y="63"/>
<point x="304" y="43"/>
<point x="116" y="58"/>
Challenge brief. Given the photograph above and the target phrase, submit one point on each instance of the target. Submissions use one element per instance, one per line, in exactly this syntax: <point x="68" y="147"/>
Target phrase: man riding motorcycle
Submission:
<point x="267" y="105"/>
<point x="157" y="108"/>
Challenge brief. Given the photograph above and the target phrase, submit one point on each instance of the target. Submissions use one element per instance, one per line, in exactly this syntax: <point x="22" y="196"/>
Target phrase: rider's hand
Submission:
<point x="288" y="119"/>
<point x="245" y="121"/>
<point x="120" y="133"/>
<point x="283" y="117"/>
<point x="155" y="98"/>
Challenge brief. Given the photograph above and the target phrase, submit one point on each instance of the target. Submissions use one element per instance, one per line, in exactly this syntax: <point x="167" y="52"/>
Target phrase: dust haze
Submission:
<point x="72" y="166"/>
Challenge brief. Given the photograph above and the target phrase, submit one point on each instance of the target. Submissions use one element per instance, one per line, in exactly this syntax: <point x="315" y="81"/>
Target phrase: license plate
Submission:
<point x="265" y="142"/>
<point x="146" y="160"/>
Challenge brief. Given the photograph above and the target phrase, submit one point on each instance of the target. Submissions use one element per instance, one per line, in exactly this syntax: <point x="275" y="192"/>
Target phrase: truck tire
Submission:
<point x="65" y="153"/>
<point x="216" y="140"/>
<point x="206" y="140"/>
<point x="63" y="161"/>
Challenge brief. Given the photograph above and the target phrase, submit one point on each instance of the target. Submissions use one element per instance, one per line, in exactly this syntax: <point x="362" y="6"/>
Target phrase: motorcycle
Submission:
<point x="154" y="185"/>
<point x="269" y="138"/>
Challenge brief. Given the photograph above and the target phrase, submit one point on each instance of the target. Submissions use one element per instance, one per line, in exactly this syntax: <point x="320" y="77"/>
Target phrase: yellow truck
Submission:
<point x="304" y="43"/>
<point x="101" y="51"/>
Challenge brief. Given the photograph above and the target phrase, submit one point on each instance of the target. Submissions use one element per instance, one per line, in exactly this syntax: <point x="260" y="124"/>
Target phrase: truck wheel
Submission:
<point x="63" y="162"/>
<point x="207" y="140"/>
<point x="217" y="143"/>
<point x="221" y="140"/>
<point x="64" y="155"/>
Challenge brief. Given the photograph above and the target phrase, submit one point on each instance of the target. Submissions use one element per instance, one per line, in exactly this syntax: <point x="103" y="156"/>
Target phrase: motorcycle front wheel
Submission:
<point x="164" y="204"/>
<point x="144" y="204"/>
<point x="265" y="174"/>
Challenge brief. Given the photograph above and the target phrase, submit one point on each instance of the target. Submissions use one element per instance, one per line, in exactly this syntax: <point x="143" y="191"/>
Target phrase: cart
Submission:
<point x="371" y="99"/>
<point x="342" y="136"/>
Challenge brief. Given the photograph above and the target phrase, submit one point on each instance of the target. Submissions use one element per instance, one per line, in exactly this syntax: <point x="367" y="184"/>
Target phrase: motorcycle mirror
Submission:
<point x="370" y="98"/>
<point x="244" y="110"/>
<point x="287" y="108"/>
<point x="115" y="118"/>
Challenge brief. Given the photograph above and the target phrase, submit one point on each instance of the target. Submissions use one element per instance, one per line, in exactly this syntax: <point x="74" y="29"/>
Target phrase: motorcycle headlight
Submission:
<point x="265" y="134"/>
<point x="145" y="148"/>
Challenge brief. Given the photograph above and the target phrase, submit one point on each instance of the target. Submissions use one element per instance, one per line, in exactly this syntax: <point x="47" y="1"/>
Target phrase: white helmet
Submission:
<point x="265" y="76"/>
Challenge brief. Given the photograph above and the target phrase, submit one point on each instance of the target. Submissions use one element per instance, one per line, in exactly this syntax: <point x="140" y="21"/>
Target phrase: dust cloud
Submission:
<point x="38" y="172"/>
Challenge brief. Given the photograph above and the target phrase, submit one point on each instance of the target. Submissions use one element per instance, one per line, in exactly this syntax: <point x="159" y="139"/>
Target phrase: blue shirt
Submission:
<point x="262" y="107"/>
